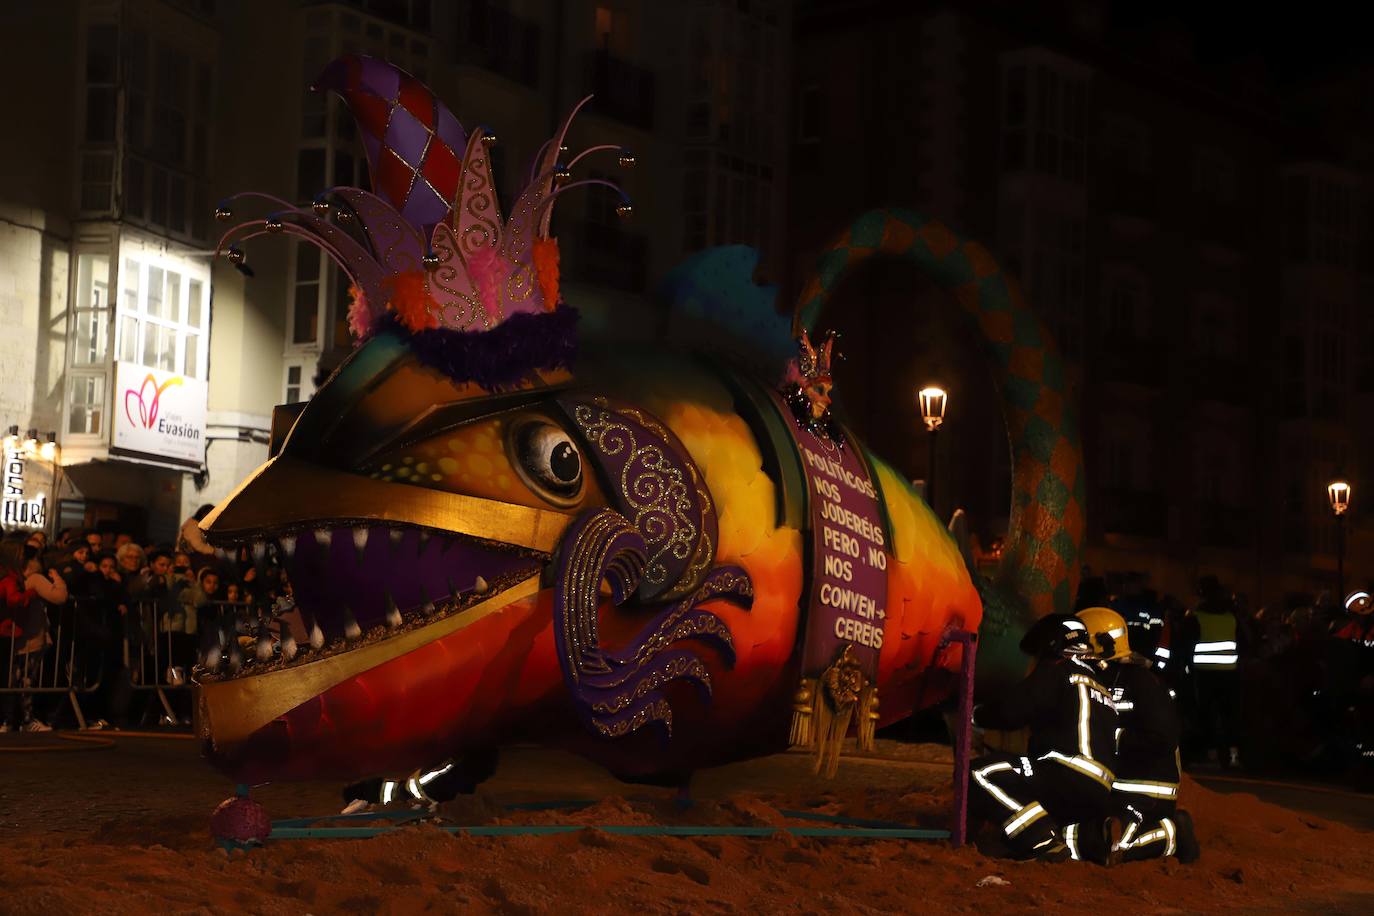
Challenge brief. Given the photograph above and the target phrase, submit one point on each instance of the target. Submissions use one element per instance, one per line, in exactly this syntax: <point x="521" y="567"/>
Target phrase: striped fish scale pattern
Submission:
<point x="1041" y="565"/>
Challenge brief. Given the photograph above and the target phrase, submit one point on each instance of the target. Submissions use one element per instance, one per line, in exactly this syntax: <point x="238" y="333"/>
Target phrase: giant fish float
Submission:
<point x="644" y="553"/>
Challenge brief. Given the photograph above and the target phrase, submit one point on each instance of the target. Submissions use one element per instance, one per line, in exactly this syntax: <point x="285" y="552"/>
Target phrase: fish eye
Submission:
<point x="548" y="460"/>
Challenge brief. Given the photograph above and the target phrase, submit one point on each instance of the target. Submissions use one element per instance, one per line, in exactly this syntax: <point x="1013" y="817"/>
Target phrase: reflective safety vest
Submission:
<point x="1216" y="649"/>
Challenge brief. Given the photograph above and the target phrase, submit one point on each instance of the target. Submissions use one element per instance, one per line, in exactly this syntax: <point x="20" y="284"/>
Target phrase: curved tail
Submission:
<point x="1039" y="572"/>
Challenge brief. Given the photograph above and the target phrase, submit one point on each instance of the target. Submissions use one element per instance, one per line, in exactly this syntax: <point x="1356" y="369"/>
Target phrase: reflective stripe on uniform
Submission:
<point x="1166" y="832"/>
<point x="1147" y="787"/>
<point x="1162" y="652"/>
<point x="1085" y="744"/>
<point x="1127" y="836"/>
<point x="1212" y="661"/>
<point x="1225" y="645"/>
<point x="1023" y="819"/>
<point x="388" y="792"/>
<point x="981" y="777"/>
<point x="1071" y="841"/>
<point x="1088" y="767"/>
<point x="434" y="774"/>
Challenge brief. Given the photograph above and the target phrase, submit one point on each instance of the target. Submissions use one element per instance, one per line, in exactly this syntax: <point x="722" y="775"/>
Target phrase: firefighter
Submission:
<point x="1065" y="779"/>
<point x="1147" y="764"/>
<point x="1215" y="663"/>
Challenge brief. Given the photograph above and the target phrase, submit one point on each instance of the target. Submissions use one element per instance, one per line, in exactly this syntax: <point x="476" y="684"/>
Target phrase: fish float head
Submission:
<point x="422" y="495"/>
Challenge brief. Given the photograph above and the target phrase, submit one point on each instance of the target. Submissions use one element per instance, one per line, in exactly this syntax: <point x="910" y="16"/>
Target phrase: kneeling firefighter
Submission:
<point x="1041" y="799"/>
<point x="1147" y="771"/>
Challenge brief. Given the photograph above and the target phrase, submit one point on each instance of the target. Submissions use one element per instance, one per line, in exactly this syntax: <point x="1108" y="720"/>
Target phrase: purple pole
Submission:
<point x="963" y="736"/>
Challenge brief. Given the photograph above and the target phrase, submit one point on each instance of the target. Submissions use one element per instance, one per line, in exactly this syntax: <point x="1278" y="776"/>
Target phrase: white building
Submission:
<point x="156" y="366"/>
<point x="107" y="289"/>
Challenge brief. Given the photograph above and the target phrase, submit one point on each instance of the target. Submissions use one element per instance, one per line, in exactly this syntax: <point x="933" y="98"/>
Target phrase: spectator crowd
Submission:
<point x="104" y="613"/>
<point x="1277" y="688"/>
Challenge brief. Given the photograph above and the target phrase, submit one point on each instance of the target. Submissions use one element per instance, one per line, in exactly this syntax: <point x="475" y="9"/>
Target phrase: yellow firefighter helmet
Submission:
<point x="1107" y="629"/>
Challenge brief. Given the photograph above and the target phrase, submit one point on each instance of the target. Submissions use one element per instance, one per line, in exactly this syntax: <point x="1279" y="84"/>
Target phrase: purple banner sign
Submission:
<point x="848" y="599"/>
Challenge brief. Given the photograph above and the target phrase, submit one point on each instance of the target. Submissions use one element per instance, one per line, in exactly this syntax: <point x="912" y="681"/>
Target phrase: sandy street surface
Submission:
<point x="123" y="828"/>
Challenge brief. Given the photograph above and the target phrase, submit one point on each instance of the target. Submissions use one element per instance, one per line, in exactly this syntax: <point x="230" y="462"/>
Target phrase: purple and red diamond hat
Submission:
<point x="426" y="250"/>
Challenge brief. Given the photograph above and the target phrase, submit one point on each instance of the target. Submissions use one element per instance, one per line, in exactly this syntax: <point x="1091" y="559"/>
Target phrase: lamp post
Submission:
<point x="932" y="401"/>
<point x="1338" y="492"/>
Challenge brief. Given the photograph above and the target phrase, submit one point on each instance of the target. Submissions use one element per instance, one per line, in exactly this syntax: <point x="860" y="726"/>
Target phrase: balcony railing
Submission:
<point x="622" y="90"/>
<point x="494" y="39"/>
<point x="1136" y="513"/>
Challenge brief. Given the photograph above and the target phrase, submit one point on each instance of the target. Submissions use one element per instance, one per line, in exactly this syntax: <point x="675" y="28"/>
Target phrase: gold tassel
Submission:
<point x="833" y="725"/>
<point x="868" y="717"/>
<point x="804" y="713"/>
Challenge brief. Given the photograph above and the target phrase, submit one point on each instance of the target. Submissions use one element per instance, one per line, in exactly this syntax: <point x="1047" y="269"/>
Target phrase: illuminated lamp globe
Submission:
<point x="933" y="401"/>
<point x="1338" y="492"/>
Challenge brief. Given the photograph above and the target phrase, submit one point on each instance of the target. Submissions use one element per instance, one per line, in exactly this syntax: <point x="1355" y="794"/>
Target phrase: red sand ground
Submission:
<point x="124" y="831"/>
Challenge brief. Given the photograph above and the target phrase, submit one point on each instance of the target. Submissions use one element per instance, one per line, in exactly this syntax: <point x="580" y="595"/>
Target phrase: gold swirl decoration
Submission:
<point x="654" y="490"/>
<point x="705" y="553"/>
<point x="460" y="308"/>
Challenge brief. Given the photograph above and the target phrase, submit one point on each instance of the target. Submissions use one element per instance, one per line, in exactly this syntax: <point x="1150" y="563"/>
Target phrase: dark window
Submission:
<point x="307" y="311"/>
<point x="699" y="120"/>
<point x="1015" y="112"/>
<point x="809" y="115"/>
<point x="135" y="189"/>
<point x="177" y="205"/>
<point x="310" y="177"/>
<point x="200" y="213"/>
<point x="100" y="53"/>
<point x="100" y="114"/>
<point x="157" y="212"/>
<point x="493" y="38"/>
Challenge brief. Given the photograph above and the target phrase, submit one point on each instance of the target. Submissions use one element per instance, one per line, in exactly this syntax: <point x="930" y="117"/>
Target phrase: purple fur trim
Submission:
<point x="502" y="357"/>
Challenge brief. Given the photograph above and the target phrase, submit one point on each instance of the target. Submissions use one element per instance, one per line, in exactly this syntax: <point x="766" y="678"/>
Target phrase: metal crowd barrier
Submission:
<point x="165" y="653"/>
<point x="52" y="668"/>
<point x="153" y="647"/>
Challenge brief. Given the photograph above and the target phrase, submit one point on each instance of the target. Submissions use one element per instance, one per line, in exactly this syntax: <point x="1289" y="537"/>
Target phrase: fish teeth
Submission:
<point x="393" y="613"/>
<point x="395" y="535"/>
<point x="424" y="539"/>
<point x="213" y="658"/>
<point x="360" y="536"/>
<point x="259" y="551"/>
<point x="263" y="648"/>
<point x="325" y="537"/>
<point x="316" y="637"/>
<point x="480" y="586"/>
<point x="288" y="647"/>
<point x="453" y="590"/>
<point x="288" y="545"/>
<point x="351" y="629"/>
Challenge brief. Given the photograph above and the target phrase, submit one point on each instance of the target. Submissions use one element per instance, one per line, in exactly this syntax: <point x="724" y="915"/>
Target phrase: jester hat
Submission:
<point x="427" y="253"/>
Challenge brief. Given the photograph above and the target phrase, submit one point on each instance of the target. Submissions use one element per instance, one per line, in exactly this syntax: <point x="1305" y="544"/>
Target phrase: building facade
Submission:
<point x="1155" y="215"/>
<point x="156" y="367"/>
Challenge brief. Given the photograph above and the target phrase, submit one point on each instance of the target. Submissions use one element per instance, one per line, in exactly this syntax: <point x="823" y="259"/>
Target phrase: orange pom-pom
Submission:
<point x="546" y="271"/>
<point x="408" y="296"/>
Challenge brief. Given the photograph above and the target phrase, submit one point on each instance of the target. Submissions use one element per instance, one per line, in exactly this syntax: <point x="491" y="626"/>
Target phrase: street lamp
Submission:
<point x="1338" y="492"/>
<point x="933" y="401"/>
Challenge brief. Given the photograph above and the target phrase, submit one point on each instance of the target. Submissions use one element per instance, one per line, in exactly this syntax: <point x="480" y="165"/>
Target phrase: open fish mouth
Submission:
<point x="359" y="583"/>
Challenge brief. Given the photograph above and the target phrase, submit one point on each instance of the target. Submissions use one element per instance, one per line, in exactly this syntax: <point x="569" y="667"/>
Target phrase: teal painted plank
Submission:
<point x="358" y="833"/>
